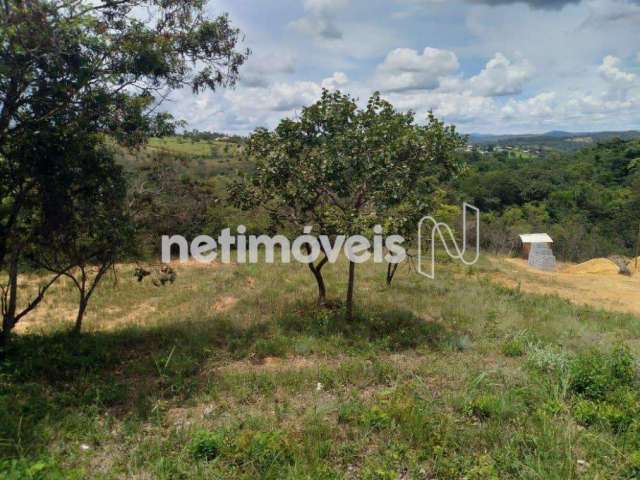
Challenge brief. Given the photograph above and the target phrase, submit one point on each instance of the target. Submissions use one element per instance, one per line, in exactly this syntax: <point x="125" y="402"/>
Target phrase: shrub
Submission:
<point x="375" y="418"/>
<point x="633" y="466"/>
<point x="349" y="411"/>
<point x="40" y="470"/>
<point x="206" y="445"/>
<point x="547" y="358"/>
<point x="594" y="374"/>
<point x="603" y="414"/>
<point x="268" y="449"/>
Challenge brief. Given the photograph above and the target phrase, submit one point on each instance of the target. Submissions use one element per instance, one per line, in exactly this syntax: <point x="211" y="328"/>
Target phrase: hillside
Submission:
<point x="555" y="140"/>
<point x="230" y="374"/>
<point x="587" y="200"/>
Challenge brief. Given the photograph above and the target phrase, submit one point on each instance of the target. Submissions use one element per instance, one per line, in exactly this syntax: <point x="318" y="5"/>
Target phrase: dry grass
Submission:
<point x="596" y="283"/>
<point x="415" y="388"/>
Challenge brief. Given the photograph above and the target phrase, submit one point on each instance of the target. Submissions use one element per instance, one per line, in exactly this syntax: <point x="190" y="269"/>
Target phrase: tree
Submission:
<point x="76" y="68"/>
<point x="343" y="169"/>
<point x="163" y="197"/>
<point x="97" y="231"/>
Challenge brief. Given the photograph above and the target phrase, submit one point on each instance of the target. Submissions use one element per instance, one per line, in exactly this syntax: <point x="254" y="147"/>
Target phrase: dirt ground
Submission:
<point x="595" y="282"/>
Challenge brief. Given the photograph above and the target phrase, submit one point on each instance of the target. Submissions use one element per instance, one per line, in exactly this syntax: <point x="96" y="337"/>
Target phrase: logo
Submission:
<point x="442" y="230"/>
<point x="308" y="248"/>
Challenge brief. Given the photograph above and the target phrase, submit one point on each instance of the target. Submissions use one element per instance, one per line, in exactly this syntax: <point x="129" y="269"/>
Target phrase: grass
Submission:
<point x="233" y="372"/>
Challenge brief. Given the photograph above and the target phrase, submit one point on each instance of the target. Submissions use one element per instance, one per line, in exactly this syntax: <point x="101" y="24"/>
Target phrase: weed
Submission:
<point x="206" y="445"/>
<point x="514" y="347"/>
<point x="595" y="374"/>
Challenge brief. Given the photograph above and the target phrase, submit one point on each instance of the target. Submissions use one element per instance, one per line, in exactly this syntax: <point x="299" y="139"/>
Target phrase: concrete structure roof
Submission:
<point x="535" y="238"/>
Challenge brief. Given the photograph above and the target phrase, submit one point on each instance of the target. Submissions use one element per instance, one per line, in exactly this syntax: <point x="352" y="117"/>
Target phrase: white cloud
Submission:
<point x="461" y="107"/>
<point x="501" y="77"/>
<point x="540" y="106"/>
<point x="405" y="69"/>
<point x="320" y="17"/>
<point x="610" y="71"/>
<point x="259" y="68"/>
<point x="337" y="80"/>
<point x="279" y="97"/>
<point x="324" y="7"/>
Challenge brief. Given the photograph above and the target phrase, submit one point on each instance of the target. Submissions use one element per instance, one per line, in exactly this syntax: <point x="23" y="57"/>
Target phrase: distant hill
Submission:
<point x="557" y="140"/>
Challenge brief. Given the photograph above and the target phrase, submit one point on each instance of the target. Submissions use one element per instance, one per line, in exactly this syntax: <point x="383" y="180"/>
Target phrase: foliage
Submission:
<point x="586" y="200"/>
<point x="515" y="346"/>
<point x="96" y="231"/>
<point x="342" y="170"/>
<point x="71" y="74"/>
<point x="595" y="374"/>
<point x="205" y="445"/>
<point x="40" y="470"/>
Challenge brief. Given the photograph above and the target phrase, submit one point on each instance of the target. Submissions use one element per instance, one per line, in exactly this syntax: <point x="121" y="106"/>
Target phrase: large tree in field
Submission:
<point x="76" y="68"/>
<point x="97" y="230"/>
<point x="343" y="169"/>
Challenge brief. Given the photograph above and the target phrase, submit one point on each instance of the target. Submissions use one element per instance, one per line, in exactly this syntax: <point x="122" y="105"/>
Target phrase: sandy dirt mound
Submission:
<point x="599" y="266"/>
<point x="580" y="284"/>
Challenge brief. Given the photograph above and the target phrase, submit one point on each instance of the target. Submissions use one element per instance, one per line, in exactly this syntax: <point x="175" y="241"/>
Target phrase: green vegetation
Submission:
<point x="587" y="201"/>
<point x="74" y="78"/>
<point x="346" y="171"/>
<point x="233" y="371"/>
<point x="431" y="373"/>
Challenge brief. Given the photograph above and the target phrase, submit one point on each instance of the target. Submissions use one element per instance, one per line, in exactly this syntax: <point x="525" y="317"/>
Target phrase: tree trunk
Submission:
<point x="9" y="310"/>
<point x="4" y="342"/>
<point x="322" y="290"/>
<point x="391" y="271"/>
<point x="82" y="307"/>
<point x="316" y="270"/>
<point x="352" y="274"/>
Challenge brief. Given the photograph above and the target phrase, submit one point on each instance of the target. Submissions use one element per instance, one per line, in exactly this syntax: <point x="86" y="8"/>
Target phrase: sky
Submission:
<point x="487" y="66"/>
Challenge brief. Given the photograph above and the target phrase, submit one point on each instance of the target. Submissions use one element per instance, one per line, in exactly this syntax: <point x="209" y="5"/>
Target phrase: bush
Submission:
<point x="594" y="374"/>
<point x="350" y="411"/>
<point x="206" y="445"/>
<point x="268" y="449"/>
<point x="547" y="358"/>
<point x="375" y="418"/>
<point x="603" y="414"/>
<point x="633" y="466"/>
<point x="40" y="470"/>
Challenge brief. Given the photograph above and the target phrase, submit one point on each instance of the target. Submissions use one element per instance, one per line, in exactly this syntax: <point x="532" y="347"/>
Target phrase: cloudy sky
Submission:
<point x="489" y="66"/>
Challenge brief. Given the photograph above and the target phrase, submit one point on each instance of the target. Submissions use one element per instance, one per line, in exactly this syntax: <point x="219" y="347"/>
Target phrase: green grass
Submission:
<point x="192" y="148"/>
<point x="233" y="372"/>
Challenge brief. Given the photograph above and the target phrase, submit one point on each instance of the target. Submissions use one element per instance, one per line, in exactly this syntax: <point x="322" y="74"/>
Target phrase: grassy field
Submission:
<point x="191" y="148"/>
<point x="232" y="372"/>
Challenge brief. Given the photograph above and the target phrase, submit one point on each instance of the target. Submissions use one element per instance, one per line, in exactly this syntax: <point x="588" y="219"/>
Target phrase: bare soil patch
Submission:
<point x="225" y="303"/>
<point x="595" y="282"/>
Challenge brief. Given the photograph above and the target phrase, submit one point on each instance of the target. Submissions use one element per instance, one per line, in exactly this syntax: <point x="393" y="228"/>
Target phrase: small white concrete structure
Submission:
<point x="537" y="247"/>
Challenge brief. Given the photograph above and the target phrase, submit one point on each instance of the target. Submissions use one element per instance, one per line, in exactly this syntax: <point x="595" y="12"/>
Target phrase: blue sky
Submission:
<point x="488" y="66"/>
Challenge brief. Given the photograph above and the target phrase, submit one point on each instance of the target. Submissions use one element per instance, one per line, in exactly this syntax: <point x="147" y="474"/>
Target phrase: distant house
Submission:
<point x="536" y="248"/>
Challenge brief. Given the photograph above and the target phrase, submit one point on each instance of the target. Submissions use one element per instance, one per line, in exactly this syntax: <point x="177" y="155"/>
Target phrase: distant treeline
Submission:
<point x="589" y="201"/>
<point x="199" y="136"/>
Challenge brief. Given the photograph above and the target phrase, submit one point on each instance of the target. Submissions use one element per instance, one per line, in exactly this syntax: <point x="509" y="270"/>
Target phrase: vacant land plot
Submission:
<point x="233" y="372"/>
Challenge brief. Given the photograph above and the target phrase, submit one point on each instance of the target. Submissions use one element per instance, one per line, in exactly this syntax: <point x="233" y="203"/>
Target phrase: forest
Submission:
<point x="587" y="201"/>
